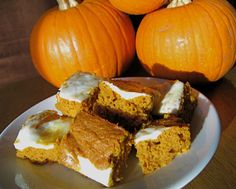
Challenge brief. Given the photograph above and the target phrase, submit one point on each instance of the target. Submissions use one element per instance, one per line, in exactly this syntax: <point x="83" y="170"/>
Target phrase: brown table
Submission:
<point x="220" y="173"/>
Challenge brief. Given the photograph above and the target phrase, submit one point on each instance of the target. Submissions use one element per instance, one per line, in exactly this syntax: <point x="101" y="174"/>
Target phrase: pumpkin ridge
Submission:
<point x="110" y="37"/>
<point x="58" y="50"/>
<point x="40" y="67"/>
<point x="127" y="44"/>
<point x="181" y="32"/>
<point x="127" y="50"/>
<point x="155" y="44"/>
<point x="143" y="58"/>
<point x="231" y="24"/>
<point x="185" y="47"/>
<point x="196" y="54"/>
<point x="141" y="40"/>
<point x="81" y="65"/>
<point x="220" y="40"/>
<point x="147" y="57"/>
<point x="153" y="49"/>
<point x="100" y="65"/>
<point x="204" y="44"/>
<point x="90" y="37"/>
<point x="138" y="33"/>
<point x="217" y="10"/>
<point x="73" y="46"/>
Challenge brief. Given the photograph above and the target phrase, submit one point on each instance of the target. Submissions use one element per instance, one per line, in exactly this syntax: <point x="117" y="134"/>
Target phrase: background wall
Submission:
<point x="17" y="20"/>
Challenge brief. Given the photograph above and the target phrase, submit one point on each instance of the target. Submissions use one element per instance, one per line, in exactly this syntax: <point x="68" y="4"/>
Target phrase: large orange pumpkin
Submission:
<point x="91" y="36"/>
<point x="193" y="41"/>
<point x="137" y="6"/>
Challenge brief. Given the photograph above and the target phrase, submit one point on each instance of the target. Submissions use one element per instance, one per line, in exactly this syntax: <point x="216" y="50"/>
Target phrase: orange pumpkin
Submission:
<point x="91" y="36"/>
<point x="137" y="6"/>
<point x="193" y="41"/>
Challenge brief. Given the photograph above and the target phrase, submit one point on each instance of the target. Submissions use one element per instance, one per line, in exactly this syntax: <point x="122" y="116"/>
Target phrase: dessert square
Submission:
<point x="159" y="142"/>
<point x="39" y="137"/>
<point x="177" y="99"/>
<point x="125" y="102"/>
<point x="77" y="93"/>
<point x="96" y="148"/>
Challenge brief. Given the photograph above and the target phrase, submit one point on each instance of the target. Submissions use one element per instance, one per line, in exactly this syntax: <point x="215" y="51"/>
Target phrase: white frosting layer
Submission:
<point x="87" y="168"/>
<point x="151" y="133"/>
<point x="172" y="100"/>
<point x="124" y="94"/>
<point x="78" y="87"/>
<point x="31" y="136"/>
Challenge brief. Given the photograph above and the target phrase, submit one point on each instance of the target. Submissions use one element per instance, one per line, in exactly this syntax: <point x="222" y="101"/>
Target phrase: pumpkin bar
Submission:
<point x="39" y="137"/>
<point x="96" y="148"/>
<point x="125" y="102"/>
<point x="160" y="141"/>
<point x="177" y="99"/>
<point x="77" y="93"/>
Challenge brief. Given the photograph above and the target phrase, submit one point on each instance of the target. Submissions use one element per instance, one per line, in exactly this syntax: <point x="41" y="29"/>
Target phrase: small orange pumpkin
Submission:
<point x="189" y="40"/>
<point x="91" y="36"/>
<point x="137" y="6"/>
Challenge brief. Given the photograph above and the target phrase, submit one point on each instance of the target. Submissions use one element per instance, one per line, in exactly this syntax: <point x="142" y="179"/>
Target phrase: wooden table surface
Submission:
<point x="220" y="173"/>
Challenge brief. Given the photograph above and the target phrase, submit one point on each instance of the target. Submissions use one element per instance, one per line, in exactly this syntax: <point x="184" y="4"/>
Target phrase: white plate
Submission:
<point x="17" y="173"/>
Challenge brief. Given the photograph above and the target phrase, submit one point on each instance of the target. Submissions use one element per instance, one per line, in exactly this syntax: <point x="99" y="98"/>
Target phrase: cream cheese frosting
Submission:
<point x="124" y="94"/>
<point x="42" y="136"/>
<point x="171" y="102"/>
<point x="78" y="87"/>
<point x="87" y="168"/>
<point x="150" y="133"/>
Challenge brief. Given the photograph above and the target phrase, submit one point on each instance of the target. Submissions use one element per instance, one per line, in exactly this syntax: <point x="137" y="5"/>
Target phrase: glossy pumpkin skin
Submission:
<point x="194" y="42"/>
<point x="91" y="37"/>
<point x="137" y="6"/>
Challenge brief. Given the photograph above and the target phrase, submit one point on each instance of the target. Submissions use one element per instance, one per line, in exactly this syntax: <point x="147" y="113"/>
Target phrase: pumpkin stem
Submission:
<point x="63" y="4"/>
<point x="178" y="3"/>
<point x="73" y="3"/>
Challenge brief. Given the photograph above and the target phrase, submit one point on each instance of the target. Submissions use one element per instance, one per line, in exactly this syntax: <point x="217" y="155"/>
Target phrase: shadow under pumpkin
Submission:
<point x="161" y="71"/>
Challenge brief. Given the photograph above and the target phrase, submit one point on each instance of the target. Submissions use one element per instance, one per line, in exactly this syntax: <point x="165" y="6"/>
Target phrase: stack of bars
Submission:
<point x="87" y="144"/>
<point x="102" y="119"/>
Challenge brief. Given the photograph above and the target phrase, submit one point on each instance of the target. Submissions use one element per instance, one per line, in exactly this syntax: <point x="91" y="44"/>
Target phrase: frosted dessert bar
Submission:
<point x="96" y="148"/>
<point x="40" y="135"/>
<point x="177" y="99"/>
<point x="77" y="93"/>
<point x="159" y="142"/>
<point x="125" y="102"/>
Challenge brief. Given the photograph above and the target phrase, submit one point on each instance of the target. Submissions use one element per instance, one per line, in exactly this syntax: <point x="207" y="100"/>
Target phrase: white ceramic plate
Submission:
<point x="17" y="173"/>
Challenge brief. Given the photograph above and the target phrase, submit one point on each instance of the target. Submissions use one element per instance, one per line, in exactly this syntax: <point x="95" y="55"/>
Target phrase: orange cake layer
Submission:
<point x="39" y="156"/>
<point x="157" y="144"/>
